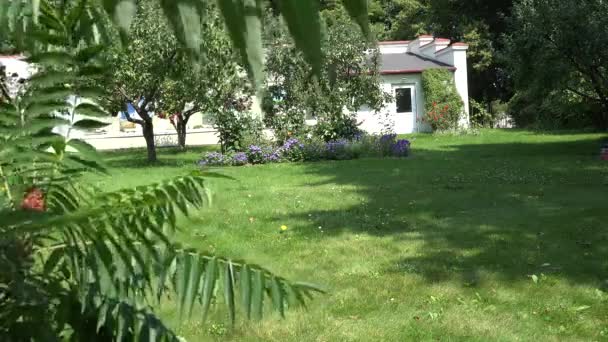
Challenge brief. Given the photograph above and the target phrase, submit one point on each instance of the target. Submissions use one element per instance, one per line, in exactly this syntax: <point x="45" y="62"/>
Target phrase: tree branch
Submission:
<point x="152" y="94"/>
<point x="187" y="114"/>
<point x="589" y="97"/>
<point x="126" y="107"/>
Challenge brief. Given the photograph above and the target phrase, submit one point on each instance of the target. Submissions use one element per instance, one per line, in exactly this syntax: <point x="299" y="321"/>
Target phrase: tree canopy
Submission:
<point x="348" y="79"/>
<point x="557" y="57"/>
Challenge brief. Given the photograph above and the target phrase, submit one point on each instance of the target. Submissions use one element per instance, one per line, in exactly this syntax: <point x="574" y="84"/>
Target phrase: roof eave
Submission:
<point x="412" y="71"/>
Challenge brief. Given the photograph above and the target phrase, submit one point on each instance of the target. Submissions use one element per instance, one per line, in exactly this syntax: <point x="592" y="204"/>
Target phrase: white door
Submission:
<point x="405" y="108"/>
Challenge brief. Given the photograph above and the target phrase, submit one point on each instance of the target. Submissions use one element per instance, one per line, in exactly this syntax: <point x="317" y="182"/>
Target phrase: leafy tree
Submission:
<point x="349" y="78"/>
<point x="139" y="69"/>
<point x="557" y="56"/>
<point x="206" y="86"/>
<point x="398" y="19"/>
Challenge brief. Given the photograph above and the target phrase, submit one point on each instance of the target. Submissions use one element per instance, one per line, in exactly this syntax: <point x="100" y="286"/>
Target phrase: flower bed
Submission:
<point x="295" y="150"/>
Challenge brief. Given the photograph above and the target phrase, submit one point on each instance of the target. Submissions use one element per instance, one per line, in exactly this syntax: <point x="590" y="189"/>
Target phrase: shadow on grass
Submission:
<point x="167" y="156"/>
<point x="510" y="210"/>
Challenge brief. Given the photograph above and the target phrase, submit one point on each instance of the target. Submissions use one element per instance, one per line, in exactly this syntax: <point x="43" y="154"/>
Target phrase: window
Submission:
<point x="403" y="96"/>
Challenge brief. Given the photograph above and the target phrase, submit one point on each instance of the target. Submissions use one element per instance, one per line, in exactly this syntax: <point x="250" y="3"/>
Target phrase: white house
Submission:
<point x="401" y="67"/>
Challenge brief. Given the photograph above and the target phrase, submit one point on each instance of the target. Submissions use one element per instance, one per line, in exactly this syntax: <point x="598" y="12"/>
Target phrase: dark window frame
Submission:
<point x="399" y="106"/>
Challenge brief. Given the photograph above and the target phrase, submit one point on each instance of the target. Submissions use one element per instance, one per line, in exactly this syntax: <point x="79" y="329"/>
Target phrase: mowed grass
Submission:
<point x="500" y="236"/>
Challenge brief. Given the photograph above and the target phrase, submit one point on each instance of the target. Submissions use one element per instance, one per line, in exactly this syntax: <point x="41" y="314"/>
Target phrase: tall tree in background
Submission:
<point x="349" y="77"/>
<point x="139" y="69"/>
<point x="558" y="57"/>
<point x="206" y="86"/>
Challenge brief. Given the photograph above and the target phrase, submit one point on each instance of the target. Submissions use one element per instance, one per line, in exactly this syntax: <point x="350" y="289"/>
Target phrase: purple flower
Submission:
<point x="291" y="142"/>
<point x="273" y="156"/>
<point x="337" y="149"/>
<point x="400" y="148"/>
<point x="388" y="138"/>
<point x="239" y="159"/>
<point x="213" y="159"/>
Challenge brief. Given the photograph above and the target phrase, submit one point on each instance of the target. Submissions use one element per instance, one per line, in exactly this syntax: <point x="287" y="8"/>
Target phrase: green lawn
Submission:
<point x="498" y="236"/>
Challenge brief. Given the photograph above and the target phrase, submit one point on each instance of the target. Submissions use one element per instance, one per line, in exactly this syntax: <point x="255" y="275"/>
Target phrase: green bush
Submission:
<point x="337" y="126"/>
<point x="443" y="106"/>
<point x="237" y="130"/>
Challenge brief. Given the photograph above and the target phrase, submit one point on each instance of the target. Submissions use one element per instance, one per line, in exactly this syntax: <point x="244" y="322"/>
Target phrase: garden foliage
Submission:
<point x="314" y="149"/>
<point x="85" y="264"/>
<point x="348" y="79"/>
<point x="443" y="106"/>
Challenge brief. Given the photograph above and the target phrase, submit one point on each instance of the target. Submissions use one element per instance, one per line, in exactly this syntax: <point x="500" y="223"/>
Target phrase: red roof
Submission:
<point x="393" y="42"/>
<point x="410" y="71"/>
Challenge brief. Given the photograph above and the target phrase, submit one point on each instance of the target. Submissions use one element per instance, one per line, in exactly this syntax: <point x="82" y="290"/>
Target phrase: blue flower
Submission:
<point x="239" y="159"/>
<point x="213" y="159"/>
<point x="400" y="148"/>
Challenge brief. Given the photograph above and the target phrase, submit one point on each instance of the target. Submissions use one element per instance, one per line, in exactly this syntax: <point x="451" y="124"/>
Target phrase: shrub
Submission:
<point x="338" y="126"/>
<point x="385" y="144"/>
<point x="338" y="150"/>
<point x="292" y="150"/>
<point x="272" y="155"/>
<point x="239" y="159"/>
<point x="236" y="129"/>
<point x="401" y="148"/>
<point x="256" y="155"/>
<point x="313" y="150"/>
<point x="443" y="106"/>
<point x="214" y="159"/>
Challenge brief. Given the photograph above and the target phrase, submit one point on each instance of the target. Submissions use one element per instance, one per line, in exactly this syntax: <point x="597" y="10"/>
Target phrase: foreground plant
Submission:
<point x="83" y="264"/>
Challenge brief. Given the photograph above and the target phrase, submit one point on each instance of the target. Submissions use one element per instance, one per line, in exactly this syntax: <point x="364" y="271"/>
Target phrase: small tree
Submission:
<point x="139" y="69"/>
<point x="204" y="86"/>
<point x="442" y="104"/>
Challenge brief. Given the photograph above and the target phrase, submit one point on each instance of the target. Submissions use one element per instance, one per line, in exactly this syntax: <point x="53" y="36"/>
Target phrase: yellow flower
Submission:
<point x="283" y="227"/>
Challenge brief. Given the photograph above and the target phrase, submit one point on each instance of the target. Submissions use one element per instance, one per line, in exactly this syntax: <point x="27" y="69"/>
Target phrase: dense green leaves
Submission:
<point x="349" y="79"/>
<point x="561" y="79"/>
<point x="443" y="107"/>
<point x="78" y="262"/>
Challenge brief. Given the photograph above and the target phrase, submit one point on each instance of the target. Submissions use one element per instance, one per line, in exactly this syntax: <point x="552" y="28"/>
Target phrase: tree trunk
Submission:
<point x="181" y="134"/>
<point x="148" y="130"/>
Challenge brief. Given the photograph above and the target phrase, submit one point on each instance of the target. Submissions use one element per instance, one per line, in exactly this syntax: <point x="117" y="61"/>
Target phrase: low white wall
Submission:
<point x="107" y="141"/>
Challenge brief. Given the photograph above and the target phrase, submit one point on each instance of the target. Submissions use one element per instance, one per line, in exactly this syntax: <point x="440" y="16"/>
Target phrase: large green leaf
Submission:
<point x="243" y="19"/>
<point x="122" y="12"/>
<point x="257" y="300"/>
<point x="229" y="290"/>
<point x="303" y="20"/>
<point x="89" y="109"/>
<point x="245" y="284"/>
<point x="90" y="124"/>
<point x="357" y="9"/>
<point x="209" y="284"/>
<point x="185" y="18"/>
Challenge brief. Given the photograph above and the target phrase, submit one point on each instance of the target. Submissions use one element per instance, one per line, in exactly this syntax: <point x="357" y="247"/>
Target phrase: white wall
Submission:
<point x="372" y="122"/>
<point x="135" y="139"/>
